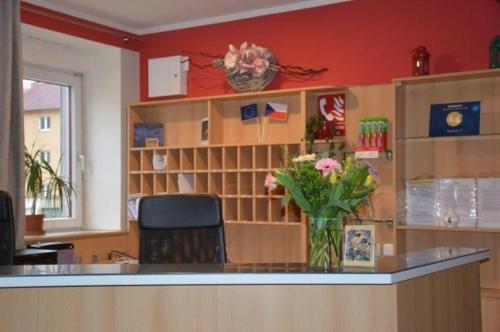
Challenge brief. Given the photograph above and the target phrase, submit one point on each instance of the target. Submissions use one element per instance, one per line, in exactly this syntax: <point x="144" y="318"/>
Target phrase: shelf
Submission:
<point x="261" y="157"/>
<point x="362" y="155"/>
<point x="324" y="141"/>
<point x="490" y="292"/>
<point x="187" y="159"/>
<point x="464" y="75"/>
<point x="262" y="223"/>
<point x="145" y="149"/>
<point x="245" y="158"/>
<point x="448" y="229"/>
<point x="245" y="183"/>
<point x="448" y="138"/>
<point x="230" y="158"/>
<point x="278" y="156"/>
<point x="252" y="196"/>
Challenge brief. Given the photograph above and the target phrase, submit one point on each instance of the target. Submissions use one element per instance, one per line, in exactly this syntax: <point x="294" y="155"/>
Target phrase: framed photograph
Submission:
<point x="204" y="131"/>
<point x="359" y="245"/>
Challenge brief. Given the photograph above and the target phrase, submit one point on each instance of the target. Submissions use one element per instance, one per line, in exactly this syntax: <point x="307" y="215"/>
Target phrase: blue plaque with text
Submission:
<point x="455" y="119"/>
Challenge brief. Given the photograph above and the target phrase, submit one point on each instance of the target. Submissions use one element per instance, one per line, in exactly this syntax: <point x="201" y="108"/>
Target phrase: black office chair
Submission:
<point x="7" y="241"/>
<point x="181" y="228"/>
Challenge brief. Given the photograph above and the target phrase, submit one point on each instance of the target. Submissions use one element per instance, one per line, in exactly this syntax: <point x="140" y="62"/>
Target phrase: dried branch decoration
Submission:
<point x="252" y="67"/>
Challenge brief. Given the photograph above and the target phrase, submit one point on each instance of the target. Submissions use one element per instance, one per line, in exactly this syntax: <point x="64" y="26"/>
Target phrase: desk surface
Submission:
<point x="388" y="270"/>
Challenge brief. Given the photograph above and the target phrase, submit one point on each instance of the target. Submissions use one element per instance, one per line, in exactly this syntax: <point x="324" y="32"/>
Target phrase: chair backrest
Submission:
<point x="7" y="241"/>
<point x="181" y="228"/>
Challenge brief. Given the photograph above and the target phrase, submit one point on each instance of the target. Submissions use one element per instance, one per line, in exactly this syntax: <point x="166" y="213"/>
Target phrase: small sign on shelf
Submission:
<point x="366" y="154"/>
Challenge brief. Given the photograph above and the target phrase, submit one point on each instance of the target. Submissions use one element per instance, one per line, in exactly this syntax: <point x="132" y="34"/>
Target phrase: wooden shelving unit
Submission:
<point x="239" y="155"/>
<point x="233" y="165"/>
<point x="418" y="155"/>
<point x="231" y="172"/>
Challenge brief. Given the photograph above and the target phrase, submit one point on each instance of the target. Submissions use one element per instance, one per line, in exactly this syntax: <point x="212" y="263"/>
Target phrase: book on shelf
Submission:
<point x="148" y="131"/>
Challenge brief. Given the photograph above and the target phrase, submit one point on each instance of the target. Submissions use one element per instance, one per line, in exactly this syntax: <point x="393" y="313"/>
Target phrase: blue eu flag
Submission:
<point x="249" y="112"/>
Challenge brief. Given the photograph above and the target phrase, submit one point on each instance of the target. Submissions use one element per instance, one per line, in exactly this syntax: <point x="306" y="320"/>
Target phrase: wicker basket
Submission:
<point x="247" y="82"/>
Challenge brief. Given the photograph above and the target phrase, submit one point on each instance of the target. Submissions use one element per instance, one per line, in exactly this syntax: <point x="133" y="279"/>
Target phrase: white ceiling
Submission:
<point x="149" y="16"/>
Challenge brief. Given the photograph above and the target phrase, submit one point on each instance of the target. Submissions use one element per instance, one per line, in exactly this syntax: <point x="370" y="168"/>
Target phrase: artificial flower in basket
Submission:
<point x="249" y="68"/>
<point x="327" y="191"/>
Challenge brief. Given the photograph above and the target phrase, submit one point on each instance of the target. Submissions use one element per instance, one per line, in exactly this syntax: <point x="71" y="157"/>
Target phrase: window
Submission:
<point x="45" y="156"/>
<point x="51" y="118"/>
<point x="44" y="123"/>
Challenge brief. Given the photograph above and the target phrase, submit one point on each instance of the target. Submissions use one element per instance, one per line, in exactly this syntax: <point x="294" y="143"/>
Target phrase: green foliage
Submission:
<point x="40" y="173"/>
<point x="335" y="195"/>
<point x="312" y="126"/>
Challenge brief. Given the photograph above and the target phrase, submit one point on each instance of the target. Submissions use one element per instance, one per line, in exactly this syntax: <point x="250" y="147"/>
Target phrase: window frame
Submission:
<point x="74" y="81"/>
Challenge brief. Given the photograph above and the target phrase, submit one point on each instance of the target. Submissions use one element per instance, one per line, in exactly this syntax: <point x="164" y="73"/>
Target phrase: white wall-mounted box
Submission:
<point x="167" y="76"/>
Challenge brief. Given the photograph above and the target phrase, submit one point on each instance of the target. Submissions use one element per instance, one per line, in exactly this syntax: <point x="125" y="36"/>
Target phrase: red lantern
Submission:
<point x="421" y="61"/>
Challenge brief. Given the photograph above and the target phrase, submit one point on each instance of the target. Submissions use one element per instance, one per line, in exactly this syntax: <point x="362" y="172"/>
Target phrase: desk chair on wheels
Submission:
<point x="181" y="228"/>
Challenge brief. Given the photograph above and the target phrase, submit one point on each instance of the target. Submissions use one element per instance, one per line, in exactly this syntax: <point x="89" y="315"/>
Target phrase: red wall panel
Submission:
<point x="361" y="42"/>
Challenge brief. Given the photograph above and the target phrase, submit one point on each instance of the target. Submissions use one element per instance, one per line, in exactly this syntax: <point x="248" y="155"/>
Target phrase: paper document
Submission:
<point x="185" y="181"/>
<point x="458" y="196"/>
<point x="133" y="206"/>
<point x="422" y="197"/>
<point x="488" y="202"/>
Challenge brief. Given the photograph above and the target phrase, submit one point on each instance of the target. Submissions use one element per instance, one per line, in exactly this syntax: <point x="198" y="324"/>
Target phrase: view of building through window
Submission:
<point x="45" y="131"/>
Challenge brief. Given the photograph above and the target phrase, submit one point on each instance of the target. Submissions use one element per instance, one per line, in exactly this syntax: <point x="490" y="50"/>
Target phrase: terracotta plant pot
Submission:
<point x="34" y="224"/>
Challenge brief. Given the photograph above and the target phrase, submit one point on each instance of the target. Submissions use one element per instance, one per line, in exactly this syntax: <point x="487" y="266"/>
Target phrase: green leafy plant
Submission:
<point x="312" y="126"/>
<point x="42" y="177"/>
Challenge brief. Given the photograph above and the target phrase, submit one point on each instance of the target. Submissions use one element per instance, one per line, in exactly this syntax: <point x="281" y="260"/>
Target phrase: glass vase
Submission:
<point x="325" y="243"/>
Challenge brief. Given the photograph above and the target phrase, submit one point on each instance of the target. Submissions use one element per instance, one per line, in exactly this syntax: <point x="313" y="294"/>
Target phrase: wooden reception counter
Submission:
<point x="431" y="290"/>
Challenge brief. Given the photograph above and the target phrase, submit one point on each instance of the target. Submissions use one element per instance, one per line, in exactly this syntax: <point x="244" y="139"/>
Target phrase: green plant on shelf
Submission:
<point x="312" y="127"/>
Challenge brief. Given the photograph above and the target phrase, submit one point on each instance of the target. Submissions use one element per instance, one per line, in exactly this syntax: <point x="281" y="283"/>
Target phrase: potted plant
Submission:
<point x="45" y="185"/>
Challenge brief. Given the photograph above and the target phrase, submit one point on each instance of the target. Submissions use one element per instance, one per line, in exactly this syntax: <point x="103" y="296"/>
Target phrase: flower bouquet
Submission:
<point x="327" y="191"/>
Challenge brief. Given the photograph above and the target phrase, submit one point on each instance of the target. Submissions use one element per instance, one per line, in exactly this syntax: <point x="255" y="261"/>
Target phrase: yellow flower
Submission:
<point x="333" y="178"/>
<point x="369" y="180"/>
<point x="348" y="163"/>
<point x="306" y="157"/>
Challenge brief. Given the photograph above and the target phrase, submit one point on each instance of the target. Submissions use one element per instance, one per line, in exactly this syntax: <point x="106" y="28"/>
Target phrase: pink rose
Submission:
<point x="327" y="165"/>
<point x="270" y="182"/>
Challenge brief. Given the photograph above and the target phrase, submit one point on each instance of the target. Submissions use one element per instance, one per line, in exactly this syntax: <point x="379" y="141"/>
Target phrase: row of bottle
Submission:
<point x="373" y="133"/>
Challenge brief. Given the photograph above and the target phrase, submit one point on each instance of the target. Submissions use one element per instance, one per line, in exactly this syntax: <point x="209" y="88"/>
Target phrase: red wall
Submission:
<point x="361" y="42"/>
<point x="51" y="20"/>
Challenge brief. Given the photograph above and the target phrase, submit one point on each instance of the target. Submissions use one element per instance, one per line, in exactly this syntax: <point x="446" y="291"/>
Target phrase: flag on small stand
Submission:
<point x="276" y="111"/>
<point x="249" y="112"/>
